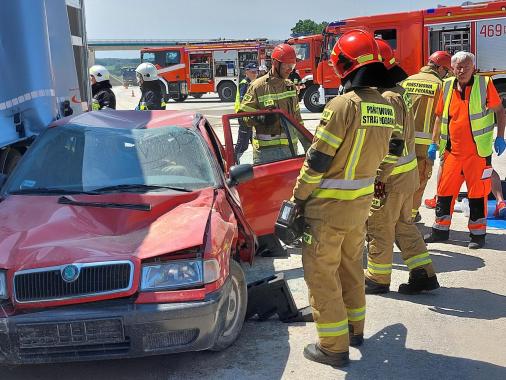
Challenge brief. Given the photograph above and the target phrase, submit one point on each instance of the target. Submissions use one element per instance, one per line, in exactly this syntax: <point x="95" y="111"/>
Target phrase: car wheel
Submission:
<point x="311" y="96"/>
<point x="226" y="91"/>
<point x="236" y="305"/>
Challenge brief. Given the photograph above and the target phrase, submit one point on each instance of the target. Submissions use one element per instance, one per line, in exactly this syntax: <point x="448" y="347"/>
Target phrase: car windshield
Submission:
<point x="83" y="159"/>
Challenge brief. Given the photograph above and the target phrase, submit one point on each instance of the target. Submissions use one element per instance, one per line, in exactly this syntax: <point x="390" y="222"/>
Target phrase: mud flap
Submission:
<point x="271" y="296"/>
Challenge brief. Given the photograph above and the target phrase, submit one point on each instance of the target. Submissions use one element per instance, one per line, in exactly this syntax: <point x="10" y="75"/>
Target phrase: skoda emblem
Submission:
<point x="70" y="273"/>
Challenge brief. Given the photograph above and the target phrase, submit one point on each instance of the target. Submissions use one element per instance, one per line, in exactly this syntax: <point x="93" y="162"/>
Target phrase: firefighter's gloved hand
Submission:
<point x="379" y="190"/>
<point x="499" y="145"/>
<point x="432" y="151"/>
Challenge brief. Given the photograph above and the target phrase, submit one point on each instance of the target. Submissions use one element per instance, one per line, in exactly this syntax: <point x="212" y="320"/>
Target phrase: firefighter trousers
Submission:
<point x="391" y="222"/>
<point x="455" y="171"/>
<point x="424" y="172"/>
<point x="332" y="260"/>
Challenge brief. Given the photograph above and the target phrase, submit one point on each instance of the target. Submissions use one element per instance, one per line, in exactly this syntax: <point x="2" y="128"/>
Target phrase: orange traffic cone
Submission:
<point x="133" y="95"/>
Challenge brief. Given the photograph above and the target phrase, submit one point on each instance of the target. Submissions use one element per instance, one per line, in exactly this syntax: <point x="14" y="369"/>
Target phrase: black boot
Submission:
<point x="418" y="282"/>
<point x="372" y="287"/>
<point x="314" y="353"/>
<point x="477" y="241"/>
<point x="417" y="218"/>
<point x="436" y="236"/>
<point x="355" y="339"/>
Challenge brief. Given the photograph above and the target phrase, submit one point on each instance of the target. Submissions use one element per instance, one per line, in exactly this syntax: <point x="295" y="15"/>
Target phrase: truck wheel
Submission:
<point x="197" y="95"/>
<point x="181" y="99"/>
<point x="226" y="91"/>
<point x="237" y="304"/>
<point x="311" y="96"/>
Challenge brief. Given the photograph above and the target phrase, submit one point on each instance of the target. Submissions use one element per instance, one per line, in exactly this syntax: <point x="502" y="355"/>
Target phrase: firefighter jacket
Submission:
<point x="152" y="97"/>
<point x="241" y="91"/>
<point x="400" y="174"/>
<point x="424" y="89"/>
<point x="270" y="92"/>
<point x="349" y="145"/>
<point x="482" y="119"/>
<point x="103" y="97"/>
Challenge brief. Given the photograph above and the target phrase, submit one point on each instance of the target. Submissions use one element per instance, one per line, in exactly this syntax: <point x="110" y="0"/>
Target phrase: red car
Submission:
<point x="121" y="234"/>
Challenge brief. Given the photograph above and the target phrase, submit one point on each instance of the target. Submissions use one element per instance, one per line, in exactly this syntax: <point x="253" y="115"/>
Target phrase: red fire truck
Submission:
<point x="308" y="50"/>
<point x="205" y="67"/>
<point x="479" y="28"/>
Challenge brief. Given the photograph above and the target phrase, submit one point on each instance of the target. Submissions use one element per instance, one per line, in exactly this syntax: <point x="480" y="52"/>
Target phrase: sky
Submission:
<point x="207" y="19"/>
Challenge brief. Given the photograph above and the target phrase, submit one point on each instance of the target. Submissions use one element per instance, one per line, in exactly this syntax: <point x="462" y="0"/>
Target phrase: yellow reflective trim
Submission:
<point x="279" y="96"/>
<point x="379" y="265"/>
<point x="310" y="178"/>
<point x="420" y="141"/>
<point x="95" y="105"/>
<point x="377" y="115"/>
<point x="418" y="260"/>
<point x="246" y="108"/>
<point x="332" y="329"/>
<point x="365" y="58"/>
<point x="354" y="156"/>
<point x="428" y="116"/>
<point x="356" y="315"/>
<point x="262" y="143"/>
<point x="390" y="159"/>
<point x="307" y="238"/>
<point x="405" y="168"/>
<point x="341" y="194"/>
<point x="328" y="137"/>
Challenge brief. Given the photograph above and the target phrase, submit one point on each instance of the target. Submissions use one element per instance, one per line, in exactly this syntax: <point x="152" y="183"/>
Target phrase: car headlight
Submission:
<point x="3" y="284"/>
<point x="178" y="274"/>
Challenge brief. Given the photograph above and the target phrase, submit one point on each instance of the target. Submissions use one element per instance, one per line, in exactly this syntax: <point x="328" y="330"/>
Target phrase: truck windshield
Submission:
<point x="302" y="51"/>
<point x="83" y="159"/>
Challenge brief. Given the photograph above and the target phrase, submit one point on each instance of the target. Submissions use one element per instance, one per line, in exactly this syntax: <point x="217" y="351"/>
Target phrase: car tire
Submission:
<point x="236" y="305"/>
<point x="226" y="91"/>
<point x="311" y="96"/>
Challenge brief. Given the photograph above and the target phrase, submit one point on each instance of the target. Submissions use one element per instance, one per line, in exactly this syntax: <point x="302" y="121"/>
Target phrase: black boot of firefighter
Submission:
<point x="418" y="282"/>
<point x="477" y="241"/>
<point x="436" y="236"/>
<point x="356" y="340"/>
<point x="315" y="353"/>
<point x="372" y="287"/>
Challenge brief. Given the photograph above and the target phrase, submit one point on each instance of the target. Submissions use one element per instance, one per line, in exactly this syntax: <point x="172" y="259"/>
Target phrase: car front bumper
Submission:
<point x="112" y="329"/>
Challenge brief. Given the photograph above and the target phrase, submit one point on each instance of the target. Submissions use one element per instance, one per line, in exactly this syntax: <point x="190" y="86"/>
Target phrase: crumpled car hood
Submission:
<point x="36" y="231"/>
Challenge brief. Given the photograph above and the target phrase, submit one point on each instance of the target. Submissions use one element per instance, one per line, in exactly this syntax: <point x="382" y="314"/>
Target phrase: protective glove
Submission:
<point x="431" y="152"/>
<point x="499" y="145"/>
<point x="379" y="190"/>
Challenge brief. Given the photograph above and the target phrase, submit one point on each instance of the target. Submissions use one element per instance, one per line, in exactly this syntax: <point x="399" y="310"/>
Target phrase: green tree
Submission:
<point x="308" y="27"/>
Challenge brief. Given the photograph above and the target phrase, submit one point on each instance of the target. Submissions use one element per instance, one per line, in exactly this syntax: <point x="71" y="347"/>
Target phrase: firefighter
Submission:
<point x="262" y="70"/>
<point x="151" y="89"/>
<point x="464" y="128"/>
<point x="390" y="217"/>
<point x="244" y="134"/>
<point x="334" y="191"/>
<point x="273" y="91"/>
<point x="424" y="89"/>
<point x="102" y="95"/>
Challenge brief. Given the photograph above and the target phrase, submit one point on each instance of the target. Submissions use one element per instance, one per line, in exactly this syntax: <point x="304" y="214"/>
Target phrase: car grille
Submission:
<point x="94" y="279"/>
<point x="71" y="340"/>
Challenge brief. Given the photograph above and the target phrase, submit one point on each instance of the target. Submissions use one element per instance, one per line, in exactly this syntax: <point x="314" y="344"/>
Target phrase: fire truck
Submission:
<point x="198" y="68"/>
<point x="479" y="28"/>
<point x="308" y="50"/>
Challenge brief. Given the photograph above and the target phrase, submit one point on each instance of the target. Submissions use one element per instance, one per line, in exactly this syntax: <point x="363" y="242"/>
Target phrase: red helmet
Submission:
<point x="354" y="49"/>
<point x="441" y="58"/>
<point x="284" y="53"/>
<point x="387" y="54"/>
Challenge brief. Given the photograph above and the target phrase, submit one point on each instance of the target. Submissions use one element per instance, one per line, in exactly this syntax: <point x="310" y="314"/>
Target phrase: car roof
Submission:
<point x="131" y="119"/>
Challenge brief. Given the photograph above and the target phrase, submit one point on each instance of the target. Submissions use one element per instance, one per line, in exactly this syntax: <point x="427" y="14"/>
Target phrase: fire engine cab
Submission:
<point x="205" y="67"/>
<point x="479" y="28"/>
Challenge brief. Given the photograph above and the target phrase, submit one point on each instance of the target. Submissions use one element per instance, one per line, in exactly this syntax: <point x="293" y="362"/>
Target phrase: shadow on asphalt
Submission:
<point x="446" y="261"/>
<point x="385" y="356"/>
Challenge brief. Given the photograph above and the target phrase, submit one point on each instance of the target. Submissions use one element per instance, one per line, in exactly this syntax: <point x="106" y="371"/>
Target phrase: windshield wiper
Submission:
<point x="50" y="191"/>
<point x="131" y="206"/>
<point x="137" y="187"/>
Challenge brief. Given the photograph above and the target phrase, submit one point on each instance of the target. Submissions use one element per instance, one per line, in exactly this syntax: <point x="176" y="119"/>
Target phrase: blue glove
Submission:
<point x="499" y="145"/>
<point x="431" y="152"/>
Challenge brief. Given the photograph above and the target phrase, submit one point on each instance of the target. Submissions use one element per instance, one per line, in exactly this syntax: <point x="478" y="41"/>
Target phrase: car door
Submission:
<point x="273" y="179"/>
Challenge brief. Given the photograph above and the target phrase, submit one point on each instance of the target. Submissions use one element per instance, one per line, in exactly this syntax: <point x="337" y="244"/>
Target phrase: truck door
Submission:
<point x="274" y="178"/>
<point x="201" y="72"/>
<point x="226" y="74"/>
<point x="451" y="40"/>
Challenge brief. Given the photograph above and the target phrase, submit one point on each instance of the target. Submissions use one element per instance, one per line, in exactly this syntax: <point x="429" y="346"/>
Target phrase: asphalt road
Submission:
<point x="456" y="332"/>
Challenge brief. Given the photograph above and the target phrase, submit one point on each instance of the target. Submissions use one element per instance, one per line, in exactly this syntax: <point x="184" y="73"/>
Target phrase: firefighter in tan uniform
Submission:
<point x="424" y="89"/>
<point x="335" y="189"/>
<point x="390" y="218"/>
<point x="273" y="91"/>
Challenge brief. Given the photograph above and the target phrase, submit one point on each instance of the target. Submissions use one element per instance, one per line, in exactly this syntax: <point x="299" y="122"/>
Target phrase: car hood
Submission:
<point x="37" y="231"/>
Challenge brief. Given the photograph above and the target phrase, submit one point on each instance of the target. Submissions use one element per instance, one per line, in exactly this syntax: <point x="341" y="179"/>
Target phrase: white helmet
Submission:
<point x="147" y="71"/>
<point x="262" y="68"/>
<point x="99" y="72"/>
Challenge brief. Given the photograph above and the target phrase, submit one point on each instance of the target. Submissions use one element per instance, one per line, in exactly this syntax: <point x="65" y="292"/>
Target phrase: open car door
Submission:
<point x="274" y="175"/>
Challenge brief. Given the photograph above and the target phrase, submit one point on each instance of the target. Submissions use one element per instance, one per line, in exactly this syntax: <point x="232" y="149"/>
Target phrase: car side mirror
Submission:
<point x="3" y="178"/>
<point x="239" y="174"/>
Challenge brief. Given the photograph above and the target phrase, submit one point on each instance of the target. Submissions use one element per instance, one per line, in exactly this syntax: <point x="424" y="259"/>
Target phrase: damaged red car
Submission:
<point x="122" y="233"/>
